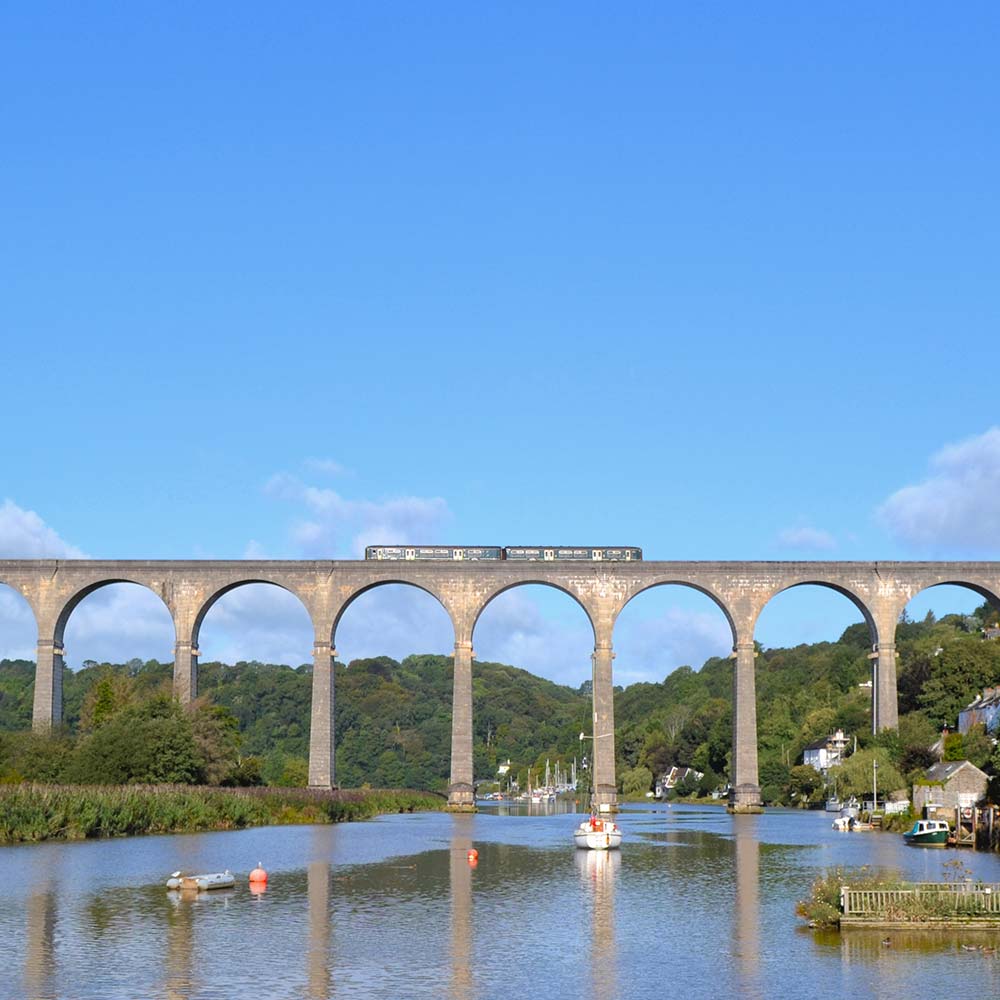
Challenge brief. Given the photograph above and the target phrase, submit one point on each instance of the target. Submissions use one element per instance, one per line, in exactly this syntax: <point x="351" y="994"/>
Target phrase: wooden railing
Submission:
<point x="958" y="898"/>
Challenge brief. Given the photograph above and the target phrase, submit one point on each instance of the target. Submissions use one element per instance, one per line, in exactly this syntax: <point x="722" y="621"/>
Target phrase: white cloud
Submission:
<point x="803" y="536"/>
<point x="18" y="632"/>
<point x="957" y="505"/>
<point x="118" y="623"/>
<point x="394" y="621"/>
<point x="257" y="622"/>
<point x="555" y="642"/>
<point x="24" y="535"/>
<point x="647" y="649"/>
<point x="331" y="525"/>
<point x="325" y="467"/>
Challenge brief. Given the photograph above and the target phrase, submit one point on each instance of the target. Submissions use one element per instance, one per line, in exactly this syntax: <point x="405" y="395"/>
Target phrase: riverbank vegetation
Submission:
<point x="32" y="813"/>
<point x="804" y="694"/>
<point x="883" y="899"/>
<point x="393" y="719"/>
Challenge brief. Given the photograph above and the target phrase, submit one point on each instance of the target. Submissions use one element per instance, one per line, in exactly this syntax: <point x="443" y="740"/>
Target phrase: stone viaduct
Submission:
<point x="880" y="591"/>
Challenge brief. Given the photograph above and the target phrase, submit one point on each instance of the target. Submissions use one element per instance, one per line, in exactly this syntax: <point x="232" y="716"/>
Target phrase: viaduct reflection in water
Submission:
<point x="746" y="912"/>
<point x="319" y="980"/>
<point x="598" y="870"/>
<point x="39" y="953"/>
<point x="460" y="879"/>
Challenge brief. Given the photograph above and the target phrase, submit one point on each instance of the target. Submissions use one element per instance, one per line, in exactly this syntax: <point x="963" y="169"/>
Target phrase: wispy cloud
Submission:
<point x="325" y="467"/>
<point x="957" y="505"/>
<point x="330" y="525"/>
<point x="650" y="648"/>
<point x="804" y="536"/>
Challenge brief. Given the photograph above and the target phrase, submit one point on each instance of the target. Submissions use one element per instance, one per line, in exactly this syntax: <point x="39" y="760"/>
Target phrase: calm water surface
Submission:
<point x="696" y="904"/>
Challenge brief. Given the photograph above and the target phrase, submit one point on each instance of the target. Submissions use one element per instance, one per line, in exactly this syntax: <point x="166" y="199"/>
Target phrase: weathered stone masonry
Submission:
<point x="53" y="588"/>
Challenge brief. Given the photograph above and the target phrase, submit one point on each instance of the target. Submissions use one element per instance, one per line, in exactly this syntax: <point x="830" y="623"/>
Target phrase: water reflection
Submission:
<point x="39" y="953"/>
<point x="746" y="912"/>
<point x="513" y="807"/>
<point x="460" y="869"/>
<point x="696" y="903"/>
<point x="318" y="952"/>
<point x="598" y="870"/>
<point x="178" y="978"/>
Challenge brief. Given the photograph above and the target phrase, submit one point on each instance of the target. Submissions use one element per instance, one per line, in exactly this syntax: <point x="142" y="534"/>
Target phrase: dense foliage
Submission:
<point x="805" y="693"/>
<point x="251" y="724"/>
<point x="393" y="720"/>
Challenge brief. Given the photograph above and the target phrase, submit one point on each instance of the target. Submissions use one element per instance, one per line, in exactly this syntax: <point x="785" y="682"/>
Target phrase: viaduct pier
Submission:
<point x="880" y="591"/>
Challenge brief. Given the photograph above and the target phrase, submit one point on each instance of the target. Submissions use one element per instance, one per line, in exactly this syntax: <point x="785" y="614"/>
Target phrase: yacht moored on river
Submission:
<point x="597" y="834"/>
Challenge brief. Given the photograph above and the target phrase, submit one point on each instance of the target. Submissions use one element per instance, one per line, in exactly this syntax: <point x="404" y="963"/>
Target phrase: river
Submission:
<point x="697" y="903"/>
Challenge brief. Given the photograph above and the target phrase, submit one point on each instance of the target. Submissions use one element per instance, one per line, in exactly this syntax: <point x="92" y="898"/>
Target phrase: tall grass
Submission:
<point x="31" y="813"/>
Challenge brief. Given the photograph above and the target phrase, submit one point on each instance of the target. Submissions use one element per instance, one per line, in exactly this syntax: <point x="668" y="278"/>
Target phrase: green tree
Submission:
<point x="855" y="776"/>
<point x="977" y="746"/>
<point x="805" y="781"/>
<point x="638" y="781"/>
<point x="958" y="670"/>
<point x="151" y="743"/>
<point x="954" y="747"/>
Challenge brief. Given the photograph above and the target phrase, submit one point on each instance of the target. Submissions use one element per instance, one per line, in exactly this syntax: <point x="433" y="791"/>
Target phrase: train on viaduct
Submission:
<point x="465" y="579"/>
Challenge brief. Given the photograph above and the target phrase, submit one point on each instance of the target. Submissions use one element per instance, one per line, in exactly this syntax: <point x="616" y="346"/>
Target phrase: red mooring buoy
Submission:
<point x="473" y="856"/>
<point x="258" y="876"/>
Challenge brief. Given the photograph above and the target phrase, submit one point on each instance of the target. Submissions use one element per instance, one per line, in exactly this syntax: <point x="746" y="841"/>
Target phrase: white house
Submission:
<point x="827" y="752"/>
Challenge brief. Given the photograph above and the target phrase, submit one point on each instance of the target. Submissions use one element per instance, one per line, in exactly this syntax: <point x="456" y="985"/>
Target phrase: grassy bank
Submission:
<point x="31" y="813"/>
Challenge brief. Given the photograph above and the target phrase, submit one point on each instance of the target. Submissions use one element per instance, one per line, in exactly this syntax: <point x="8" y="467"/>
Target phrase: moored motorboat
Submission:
<point x="928" y="833"/>
<point x="597" y="834"/>
<point x="201" y="883"/>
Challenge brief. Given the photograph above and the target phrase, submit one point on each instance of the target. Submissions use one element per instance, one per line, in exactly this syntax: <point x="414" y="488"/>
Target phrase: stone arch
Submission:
<point x="486" y="601"/>
<point x="71" y="604"/>
<point x="207" y="604"/>
<point x="388" y="582"/>
<point x="856" y="599"/>
<point x="988" y="593"/>
<point x="673" y="582"/>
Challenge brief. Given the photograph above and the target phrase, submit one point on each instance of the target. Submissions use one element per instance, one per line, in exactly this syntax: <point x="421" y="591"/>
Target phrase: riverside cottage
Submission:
<point x="959" y="784"/>
<point x="984" y="710"/>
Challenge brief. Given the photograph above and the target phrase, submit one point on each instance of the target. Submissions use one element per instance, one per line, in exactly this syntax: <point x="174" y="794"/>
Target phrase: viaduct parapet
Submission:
<point x="880" y="591"/>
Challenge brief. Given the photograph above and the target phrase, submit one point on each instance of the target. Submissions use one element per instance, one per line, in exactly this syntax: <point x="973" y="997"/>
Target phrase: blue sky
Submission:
<point x="714" y="281"/>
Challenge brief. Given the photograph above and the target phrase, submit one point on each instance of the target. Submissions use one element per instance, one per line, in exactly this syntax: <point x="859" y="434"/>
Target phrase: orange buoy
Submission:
<point x="258" y="875"/>
<point x="473" y="855"/>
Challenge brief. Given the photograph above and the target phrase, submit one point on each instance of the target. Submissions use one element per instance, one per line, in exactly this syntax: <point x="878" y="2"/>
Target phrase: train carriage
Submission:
<point x="516" y="553"/>
<point x="567" y="553"/>
<point x="434" y="552"/>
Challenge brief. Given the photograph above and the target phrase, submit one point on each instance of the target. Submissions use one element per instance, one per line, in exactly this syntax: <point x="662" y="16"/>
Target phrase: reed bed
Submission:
<point x="31" y="813"/>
